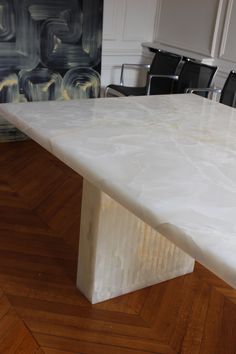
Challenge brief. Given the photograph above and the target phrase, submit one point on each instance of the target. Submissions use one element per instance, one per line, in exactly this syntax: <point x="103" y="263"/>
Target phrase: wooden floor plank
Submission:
<point x="14" y="335"/>
<point x="195" y="330"/>
<point x="212" y="331"/>
<point x="227" y="342"/>
<point x="190" y="287"/>
<point x="35" y="243"/>
<point x="83" y="312"/>
<point x="98" y="337"/>
<point x="74" y="346"/>
<point x="4" y="306"/>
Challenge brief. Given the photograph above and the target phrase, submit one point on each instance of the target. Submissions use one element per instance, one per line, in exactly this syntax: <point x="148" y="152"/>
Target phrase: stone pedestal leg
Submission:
<point x="119" y="253"/>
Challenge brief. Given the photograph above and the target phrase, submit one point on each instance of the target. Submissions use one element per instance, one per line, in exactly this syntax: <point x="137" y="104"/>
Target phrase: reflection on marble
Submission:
<point x="171" y="160"/>
<point x="10" y="133"/>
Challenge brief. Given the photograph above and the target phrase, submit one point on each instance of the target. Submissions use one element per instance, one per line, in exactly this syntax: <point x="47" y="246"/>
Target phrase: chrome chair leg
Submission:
<point x="106" y="92"/>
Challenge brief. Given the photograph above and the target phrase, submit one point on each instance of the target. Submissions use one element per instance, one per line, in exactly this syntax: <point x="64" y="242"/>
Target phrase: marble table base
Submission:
<point x="119" y="253"/>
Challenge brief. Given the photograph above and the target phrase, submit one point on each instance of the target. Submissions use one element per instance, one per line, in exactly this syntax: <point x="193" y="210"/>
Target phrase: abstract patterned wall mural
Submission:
<point x="50" y="49"/>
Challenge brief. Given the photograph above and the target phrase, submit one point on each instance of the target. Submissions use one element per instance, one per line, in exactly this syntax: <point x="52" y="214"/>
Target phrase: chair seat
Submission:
<point x="129" y="90"/>
<point x="163" y="63"/>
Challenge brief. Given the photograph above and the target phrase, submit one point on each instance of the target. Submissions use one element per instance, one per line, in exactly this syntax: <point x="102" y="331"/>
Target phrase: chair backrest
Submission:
<point x="163" y="63"/>
<point x="228" y="94"/>
<point x="195" y="75"/>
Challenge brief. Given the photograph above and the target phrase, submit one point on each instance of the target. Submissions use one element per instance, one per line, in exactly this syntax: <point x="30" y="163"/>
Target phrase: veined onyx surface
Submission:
<point x="168" y="159"/>
<point x="50" y="49"/>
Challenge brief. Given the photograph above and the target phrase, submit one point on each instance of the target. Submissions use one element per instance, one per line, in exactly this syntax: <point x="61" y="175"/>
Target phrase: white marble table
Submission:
<point x="152" y="166"/>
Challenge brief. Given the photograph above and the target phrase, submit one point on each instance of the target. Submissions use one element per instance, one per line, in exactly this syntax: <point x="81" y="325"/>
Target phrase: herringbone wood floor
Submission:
<point x="41" y="311"/>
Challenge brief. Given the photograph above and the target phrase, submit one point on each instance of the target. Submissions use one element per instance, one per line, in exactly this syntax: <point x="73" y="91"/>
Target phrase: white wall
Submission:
<point x="226" y="58"/>
<point x="126" y="24"/>
<point x="202" y="28"/>
<point x="188" y="24"/>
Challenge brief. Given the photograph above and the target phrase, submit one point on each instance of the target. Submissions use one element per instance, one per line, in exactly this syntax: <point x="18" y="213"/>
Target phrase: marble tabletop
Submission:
<point x="171" y="160"/>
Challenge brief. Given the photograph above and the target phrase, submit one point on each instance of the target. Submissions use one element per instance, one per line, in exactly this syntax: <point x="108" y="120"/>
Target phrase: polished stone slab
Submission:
<point x="119" y="253"/>
<point x="170" y="160"/>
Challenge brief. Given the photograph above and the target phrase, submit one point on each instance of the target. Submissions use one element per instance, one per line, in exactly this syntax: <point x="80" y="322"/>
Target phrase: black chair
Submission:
<point x="228" y="92"/>
<point x="194" y="75"/>
<point x="163" y="63"/>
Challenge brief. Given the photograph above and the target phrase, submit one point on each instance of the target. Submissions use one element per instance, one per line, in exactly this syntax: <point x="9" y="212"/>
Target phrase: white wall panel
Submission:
<point x="127" y="23"/>
<point x="189" y="24"/>
<point x="110" y="20"/>
<point x="139" y="20"/>
<point x="228" y="44"/>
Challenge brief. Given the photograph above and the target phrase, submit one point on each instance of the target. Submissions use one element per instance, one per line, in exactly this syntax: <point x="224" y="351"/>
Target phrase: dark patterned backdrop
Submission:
<point x="49" y="50"/>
